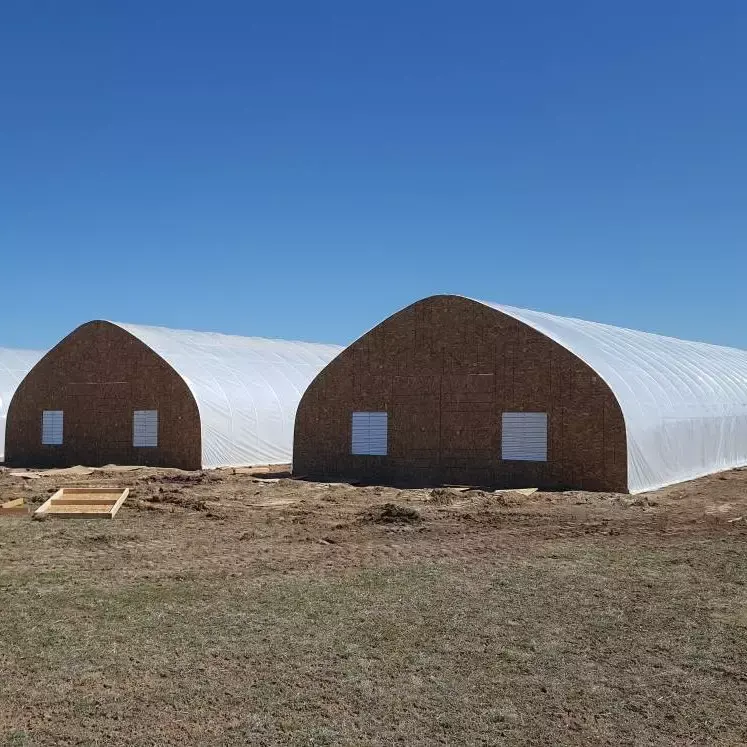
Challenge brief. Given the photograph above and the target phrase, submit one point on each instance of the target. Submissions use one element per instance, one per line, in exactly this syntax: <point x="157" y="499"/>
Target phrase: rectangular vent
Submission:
<point x="370" y="433"/>
<point x="524" y="436"/>
<point x="52" y="427"/>
<point x="145" y="428"/>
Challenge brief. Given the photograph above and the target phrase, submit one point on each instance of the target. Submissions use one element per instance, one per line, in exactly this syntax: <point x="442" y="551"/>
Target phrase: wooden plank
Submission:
<point x="523" y="491"/>
<point x="112" y="495"/>
<point x="12" y="504"/>
<point x="92" y="491"/>
<point x="79" y="511"/>
<point x="92" y="497"/>
<point x="79" y="502"/>
<point x="15" y="507"/>
<point x="119" y="502"/>
<point x="85" y="499"/>
<point x="42" y="510"/>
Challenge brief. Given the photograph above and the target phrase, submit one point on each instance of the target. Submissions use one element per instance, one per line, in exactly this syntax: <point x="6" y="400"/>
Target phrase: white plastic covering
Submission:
<point x="14" y="365"/>
<point x="684" y="403"/>
<point x="247" y="389"/>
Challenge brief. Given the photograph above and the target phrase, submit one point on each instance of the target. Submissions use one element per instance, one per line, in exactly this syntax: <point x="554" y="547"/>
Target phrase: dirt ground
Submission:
<point x="244" y="607"/>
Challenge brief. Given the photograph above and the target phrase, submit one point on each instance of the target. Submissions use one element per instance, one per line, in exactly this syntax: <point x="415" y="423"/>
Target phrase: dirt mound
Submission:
<point x="476" y="495"/>
<point x="177" y="498"/>
<point x="443" y="496"/>
<point x="391" y="513"/>
<point x="507" y="499"/>
<point x="450" y="496"/>
<point x="180" y="478"/>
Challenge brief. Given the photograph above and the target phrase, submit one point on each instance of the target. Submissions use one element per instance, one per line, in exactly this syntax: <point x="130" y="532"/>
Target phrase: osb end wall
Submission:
<point x="445" y="369"/>
<point x="98" y="376"/>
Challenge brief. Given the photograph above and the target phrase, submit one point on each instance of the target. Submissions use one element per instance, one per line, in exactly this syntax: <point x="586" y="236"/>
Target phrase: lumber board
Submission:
<point x="15" y="507"/>
<point x="84" y="491"/>
<point x="102" y="498"/>
<point x="109" y="498"/>
<point x="47" y="504"/>
<point x="79" y="502"/>
<point x="12" y="504"/>
<point x="95" y="510"/>
<point x="119" y="503"/>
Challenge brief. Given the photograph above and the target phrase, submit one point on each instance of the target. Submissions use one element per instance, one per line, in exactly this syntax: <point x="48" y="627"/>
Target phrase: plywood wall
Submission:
<point x="445" y="369"/>
<point x="98" y="376"/>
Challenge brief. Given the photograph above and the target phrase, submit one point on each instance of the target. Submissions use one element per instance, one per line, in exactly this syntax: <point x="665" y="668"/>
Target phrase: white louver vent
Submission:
<point x="52" y="427"/>
<point x="145" y="428"/>
<point x="524" y="436"/>
<point x="370" y="433"/>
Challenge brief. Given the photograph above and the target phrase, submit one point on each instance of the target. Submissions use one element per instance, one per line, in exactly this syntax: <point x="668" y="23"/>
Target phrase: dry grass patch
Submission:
<point x="587" y="644"/>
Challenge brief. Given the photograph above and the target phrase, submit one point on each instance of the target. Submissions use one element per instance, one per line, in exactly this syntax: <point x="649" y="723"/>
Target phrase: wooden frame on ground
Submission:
<point x="83" y="503"/>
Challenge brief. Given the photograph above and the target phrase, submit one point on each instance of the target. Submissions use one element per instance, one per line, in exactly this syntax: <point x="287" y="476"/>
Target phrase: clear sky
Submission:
<point x="304" y="169"/>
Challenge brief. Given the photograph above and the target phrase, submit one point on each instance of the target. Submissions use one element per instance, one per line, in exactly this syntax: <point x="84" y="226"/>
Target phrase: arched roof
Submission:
<point x="14" y="365"/>
<point x="684" y="403"/>
<point x="247" y="389"/>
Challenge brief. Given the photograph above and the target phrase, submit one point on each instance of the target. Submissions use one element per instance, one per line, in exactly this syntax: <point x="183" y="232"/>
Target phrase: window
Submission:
<point x="52" y="427"/>
<point x="145" y="428"/>
<point x="369" y="433"/>
<point x="524" y="436"/>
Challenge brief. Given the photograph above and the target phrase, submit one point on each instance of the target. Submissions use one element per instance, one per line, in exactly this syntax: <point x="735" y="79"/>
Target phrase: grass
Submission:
<point x="588" y="644"/>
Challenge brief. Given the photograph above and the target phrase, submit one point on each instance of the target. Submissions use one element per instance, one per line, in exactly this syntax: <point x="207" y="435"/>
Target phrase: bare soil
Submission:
<point x="244" y="607"/>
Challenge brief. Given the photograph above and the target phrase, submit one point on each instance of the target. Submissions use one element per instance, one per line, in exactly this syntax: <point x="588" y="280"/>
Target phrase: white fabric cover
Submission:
<point x="14" y="365"/>
<point x="684" y="403"/>
<point x="247" y="389"/>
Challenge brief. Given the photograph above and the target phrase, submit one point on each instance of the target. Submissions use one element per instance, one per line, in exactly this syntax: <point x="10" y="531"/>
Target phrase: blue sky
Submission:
<point x="303" y="170"/>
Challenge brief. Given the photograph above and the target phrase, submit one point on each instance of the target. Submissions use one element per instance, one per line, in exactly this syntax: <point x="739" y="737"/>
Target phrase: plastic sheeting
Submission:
<point x="14" y="365"/>
<point x="247" y="389"/>
<point x="684" y="403"/>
